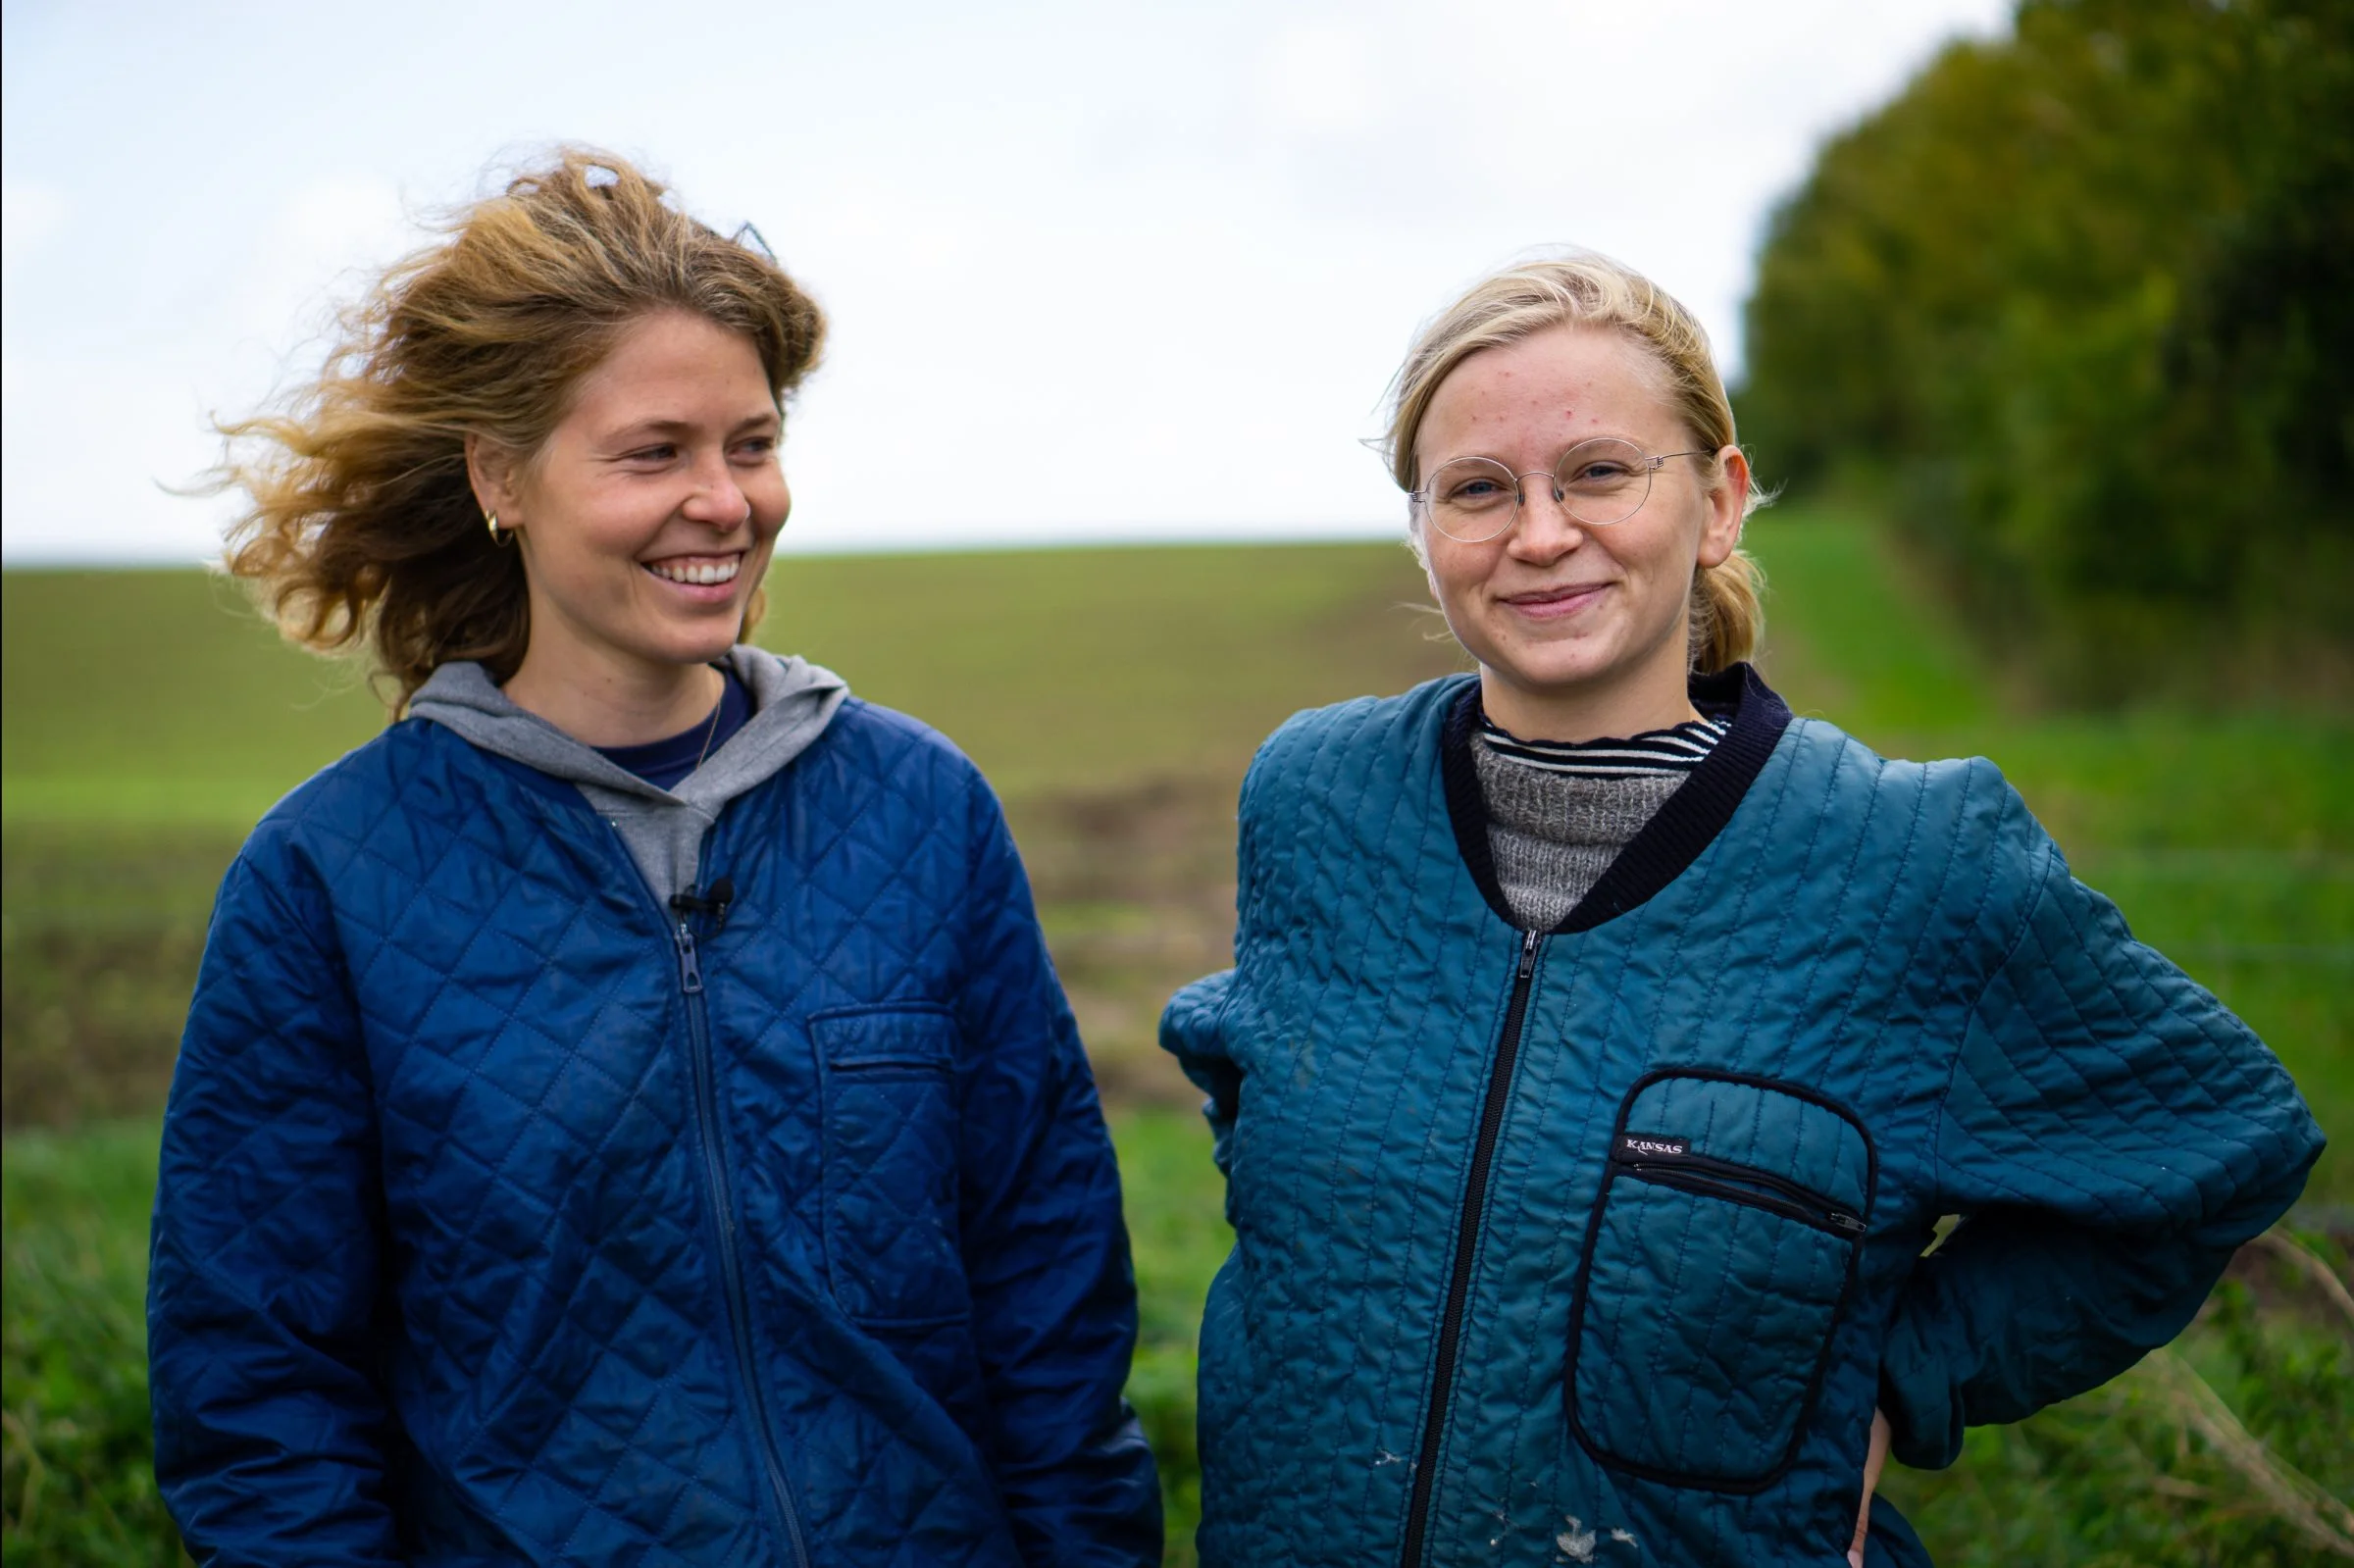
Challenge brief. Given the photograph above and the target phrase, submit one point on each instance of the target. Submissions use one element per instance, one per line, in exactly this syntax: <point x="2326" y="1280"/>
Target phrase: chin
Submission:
<point x="697" y="646"/>
<point x="1553" y="666"/>
<point x="1554" y="685"/>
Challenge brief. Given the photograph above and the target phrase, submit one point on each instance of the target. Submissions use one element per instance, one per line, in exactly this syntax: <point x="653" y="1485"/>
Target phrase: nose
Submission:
<point x="716" y="499"/>
<point x="1545" y="530"/>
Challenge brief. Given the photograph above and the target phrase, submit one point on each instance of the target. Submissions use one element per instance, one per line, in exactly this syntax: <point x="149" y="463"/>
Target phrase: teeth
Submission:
<point x="703" y="572"/>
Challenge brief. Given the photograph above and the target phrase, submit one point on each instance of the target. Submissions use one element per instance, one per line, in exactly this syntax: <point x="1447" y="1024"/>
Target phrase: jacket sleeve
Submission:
<point x="1195" y="1026"/>
<point x="1192" y="1031"/>
<point x="1046" y="1246"/>
<point x="271" y="1423"/>
<point x="2111" y="1135"/>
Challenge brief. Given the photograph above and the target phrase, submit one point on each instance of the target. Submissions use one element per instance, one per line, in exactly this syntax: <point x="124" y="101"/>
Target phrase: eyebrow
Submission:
<point x="1489" y="457"/>
<point x="669" y="426"/>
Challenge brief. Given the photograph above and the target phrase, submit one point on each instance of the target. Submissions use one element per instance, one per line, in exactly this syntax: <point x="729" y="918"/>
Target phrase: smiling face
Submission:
<point x="1579" y="631"/>
<point x="645" y="523"/>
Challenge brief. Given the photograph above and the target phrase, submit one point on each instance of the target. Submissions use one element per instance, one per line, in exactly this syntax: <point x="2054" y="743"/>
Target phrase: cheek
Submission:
<point x="770" y="496"/>
<point x="1658" y="547"/>
<point x="1455" y="569"/>
<point x="582" y="537"/>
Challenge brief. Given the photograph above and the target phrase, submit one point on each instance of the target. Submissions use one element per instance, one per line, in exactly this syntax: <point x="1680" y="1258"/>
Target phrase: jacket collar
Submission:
<point x="663" y="829"/>
<point x="792" y="702"/>
<point x="1675" y="837"/>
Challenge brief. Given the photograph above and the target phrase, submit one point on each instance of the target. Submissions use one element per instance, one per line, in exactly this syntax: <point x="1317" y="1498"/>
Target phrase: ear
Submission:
<point x="1728" y="505"/>
<point x="494" y="472"/>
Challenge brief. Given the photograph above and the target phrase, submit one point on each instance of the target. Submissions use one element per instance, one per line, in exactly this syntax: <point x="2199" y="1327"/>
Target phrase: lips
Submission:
<point x="697" y="571"/>
<point x="1552" y="603"/>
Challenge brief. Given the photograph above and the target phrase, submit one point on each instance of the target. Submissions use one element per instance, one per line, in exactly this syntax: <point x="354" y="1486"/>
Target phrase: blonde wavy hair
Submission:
<point x="362" y="528"/>
<point x="1585" y="290"/>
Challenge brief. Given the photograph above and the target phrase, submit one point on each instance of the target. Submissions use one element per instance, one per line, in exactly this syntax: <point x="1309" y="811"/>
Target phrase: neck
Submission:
<point x="1629" y="708"/>
<point x="608" y="702"/>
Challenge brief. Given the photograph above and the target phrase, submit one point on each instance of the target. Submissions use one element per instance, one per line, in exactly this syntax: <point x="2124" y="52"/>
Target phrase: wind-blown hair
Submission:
<point x="1584" y="290"/>
<point x="362" y="528"/>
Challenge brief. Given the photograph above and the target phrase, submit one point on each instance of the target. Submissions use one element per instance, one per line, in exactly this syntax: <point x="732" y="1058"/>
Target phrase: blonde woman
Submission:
<point x="1604" y="1044"/>
<point x="627" y="1114"/>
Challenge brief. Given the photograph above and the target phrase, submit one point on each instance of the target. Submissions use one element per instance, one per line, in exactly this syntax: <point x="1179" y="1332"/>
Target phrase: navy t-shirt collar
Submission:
<point x="666" y="762"/>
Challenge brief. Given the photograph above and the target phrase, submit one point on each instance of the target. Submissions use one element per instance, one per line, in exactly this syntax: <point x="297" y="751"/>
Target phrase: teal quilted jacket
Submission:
<point x="1602" y="1245"/>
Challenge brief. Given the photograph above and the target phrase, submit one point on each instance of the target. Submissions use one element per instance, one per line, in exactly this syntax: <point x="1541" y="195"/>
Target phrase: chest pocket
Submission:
<point x="1722" y="1251"/>
<point x="891" y="1194"/>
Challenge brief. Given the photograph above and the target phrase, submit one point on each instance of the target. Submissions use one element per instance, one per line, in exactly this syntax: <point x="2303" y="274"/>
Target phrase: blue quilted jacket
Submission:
<point x="505" y="1219"/>
<point x="1600" y="1244"/>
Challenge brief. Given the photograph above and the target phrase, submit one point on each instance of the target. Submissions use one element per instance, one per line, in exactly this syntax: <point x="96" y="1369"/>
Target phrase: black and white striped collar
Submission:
<point x="1676" y="749"/>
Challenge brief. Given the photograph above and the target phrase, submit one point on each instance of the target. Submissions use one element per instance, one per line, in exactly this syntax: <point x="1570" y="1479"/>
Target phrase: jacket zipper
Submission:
<point x="1466" y="1252"/>
<point x="715" y="1176"/>
<point x="1757" y="1189"/>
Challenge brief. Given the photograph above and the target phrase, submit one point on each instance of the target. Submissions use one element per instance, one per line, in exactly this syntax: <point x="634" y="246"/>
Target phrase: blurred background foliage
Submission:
<point x="2076" y="310"/>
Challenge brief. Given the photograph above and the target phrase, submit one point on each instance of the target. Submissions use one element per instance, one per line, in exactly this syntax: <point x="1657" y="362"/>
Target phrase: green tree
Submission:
<point x="2082" y="302"/>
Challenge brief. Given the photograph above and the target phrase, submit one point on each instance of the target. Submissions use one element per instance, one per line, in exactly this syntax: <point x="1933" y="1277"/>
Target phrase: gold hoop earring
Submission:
<point x="498" y="536"/>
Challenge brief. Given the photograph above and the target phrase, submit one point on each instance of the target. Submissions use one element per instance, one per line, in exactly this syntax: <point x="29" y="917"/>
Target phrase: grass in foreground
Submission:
<point x="76" y="1479"/>
<point x="77" y="1483"/>
<point x="2227" y="1450"/>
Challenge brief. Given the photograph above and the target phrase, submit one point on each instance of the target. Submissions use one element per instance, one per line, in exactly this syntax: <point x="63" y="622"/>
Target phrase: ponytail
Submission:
<point x="1728" y="612"/>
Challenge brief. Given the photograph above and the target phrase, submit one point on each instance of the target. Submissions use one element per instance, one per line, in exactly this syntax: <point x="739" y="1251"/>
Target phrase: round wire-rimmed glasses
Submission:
<point x="1597" y="483"/>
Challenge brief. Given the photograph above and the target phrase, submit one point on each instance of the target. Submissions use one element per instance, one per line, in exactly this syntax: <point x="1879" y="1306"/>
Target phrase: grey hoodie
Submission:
<point x="792" y="702"/>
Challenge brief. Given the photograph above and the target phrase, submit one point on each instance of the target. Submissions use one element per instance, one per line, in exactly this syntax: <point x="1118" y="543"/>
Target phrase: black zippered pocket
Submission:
<point x="1746" y="1183"/>
<point x="1721" y="1255"/>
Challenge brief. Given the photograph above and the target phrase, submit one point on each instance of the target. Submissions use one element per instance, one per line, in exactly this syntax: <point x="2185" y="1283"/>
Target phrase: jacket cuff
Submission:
<point x="1917" y="1395"/>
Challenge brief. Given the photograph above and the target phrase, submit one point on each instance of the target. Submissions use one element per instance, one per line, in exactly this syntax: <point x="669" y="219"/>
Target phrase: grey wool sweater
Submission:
<point x="1559" y="814"/>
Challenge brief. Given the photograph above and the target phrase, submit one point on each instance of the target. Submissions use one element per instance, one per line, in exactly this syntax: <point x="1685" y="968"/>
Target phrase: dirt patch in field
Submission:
<point x="99" y="943"/>
<point x="1135" y="888"/>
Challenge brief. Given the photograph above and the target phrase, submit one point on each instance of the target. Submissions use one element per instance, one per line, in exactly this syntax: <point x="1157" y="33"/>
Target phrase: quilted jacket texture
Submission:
<point x="502" y="1221"/>
<point x="1602" y="1245"/>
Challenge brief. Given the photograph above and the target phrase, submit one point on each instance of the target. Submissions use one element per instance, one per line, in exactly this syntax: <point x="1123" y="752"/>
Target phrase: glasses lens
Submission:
<point x="1472" y="499"/>
<point x="1604" y="481"/>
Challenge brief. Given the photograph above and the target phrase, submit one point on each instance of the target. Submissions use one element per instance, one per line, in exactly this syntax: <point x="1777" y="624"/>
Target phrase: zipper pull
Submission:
<point x="691" y="974"/>
<point x="1528" y="954"/>
<point x="1850" y="1224"/>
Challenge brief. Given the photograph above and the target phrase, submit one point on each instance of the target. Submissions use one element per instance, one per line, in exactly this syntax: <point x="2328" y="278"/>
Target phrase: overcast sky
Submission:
<point x="1094" y="271"/>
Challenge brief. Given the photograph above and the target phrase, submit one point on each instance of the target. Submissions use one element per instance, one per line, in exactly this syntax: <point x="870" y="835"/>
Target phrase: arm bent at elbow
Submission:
<point x="2112" y="1134"/>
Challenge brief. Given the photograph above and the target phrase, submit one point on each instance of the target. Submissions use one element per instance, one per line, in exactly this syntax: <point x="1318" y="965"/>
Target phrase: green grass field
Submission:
<point x="1114" y="697"/>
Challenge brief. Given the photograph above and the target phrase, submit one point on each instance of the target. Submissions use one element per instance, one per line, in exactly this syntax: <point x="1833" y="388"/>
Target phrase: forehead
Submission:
<point x="1563" y="385"/>
<point x="671" y="357"/>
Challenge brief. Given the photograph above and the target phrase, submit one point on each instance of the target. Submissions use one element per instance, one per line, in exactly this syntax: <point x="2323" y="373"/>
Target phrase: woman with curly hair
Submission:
<point x="627" y="1113"/>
